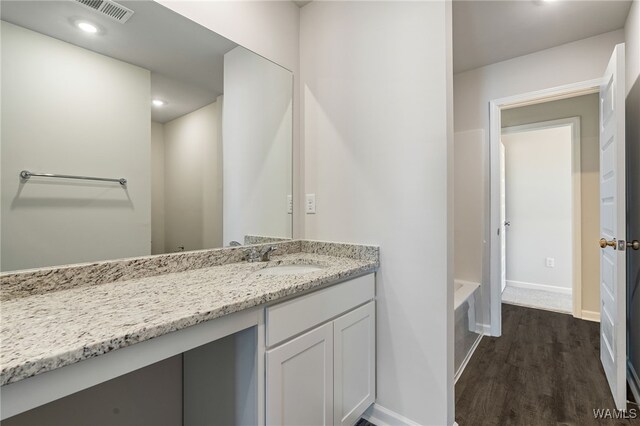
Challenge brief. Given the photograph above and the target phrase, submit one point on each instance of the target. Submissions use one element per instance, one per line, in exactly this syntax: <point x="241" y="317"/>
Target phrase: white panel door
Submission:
<point x="300" y="380"/>
<point x="613" y="227"/>
<point x="354" y="364"/>
<point x="503" y="218"/>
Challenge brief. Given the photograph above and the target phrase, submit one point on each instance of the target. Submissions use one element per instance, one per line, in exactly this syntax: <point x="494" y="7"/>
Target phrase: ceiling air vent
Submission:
<point x="108" y="8"/>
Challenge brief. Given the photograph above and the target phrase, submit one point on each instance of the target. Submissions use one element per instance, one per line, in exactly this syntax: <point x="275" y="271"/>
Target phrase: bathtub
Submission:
<point x="467" y="316"/>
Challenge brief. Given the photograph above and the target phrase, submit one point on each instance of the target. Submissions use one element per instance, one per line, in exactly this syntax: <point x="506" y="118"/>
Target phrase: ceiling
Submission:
<point x="186" y="60"/>
<point x="485" y="32"/>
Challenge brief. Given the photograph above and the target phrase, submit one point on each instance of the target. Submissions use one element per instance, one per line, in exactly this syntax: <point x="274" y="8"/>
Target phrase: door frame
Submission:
<point x="495" y="132"/>
<point x="576" y="200"/>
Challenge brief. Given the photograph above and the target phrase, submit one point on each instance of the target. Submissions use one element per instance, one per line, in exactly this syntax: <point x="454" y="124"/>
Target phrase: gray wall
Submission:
<point x="193" y="180"/>
<point x="271" y="29"/>
<point x="378" y="146"/>
<point x="257" y="144"/>
<point x="157" y="188"/>
<point x="71" y="111"/>
<point x="148" y="396"/>
<point x="220" y="381"/>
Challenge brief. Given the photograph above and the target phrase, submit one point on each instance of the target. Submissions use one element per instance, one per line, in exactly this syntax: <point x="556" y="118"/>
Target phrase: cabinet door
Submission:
<point x="300" y="380"/>
<point x="354" y="363"/>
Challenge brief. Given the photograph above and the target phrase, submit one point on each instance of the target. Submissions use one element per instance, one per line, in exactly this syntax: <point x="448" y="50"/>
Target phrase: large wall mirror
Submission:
<point x="200" y="128"/>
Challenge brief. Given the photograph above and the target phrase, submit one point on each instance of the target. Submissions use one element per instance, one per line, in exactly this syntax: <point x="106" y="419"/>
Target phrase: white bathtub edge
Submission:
<point x="462" y="294"/>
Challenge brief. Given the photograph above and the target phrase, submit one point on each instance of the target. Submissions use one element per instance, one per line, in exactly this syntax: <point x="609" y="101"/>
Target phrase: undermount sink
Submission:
<point x="289" y="269"/>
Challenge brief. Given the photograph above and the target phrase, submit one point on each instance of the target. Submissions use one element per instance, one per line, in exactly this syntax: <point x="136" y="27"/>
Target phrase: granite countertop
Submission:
<point x="42" y="332"/>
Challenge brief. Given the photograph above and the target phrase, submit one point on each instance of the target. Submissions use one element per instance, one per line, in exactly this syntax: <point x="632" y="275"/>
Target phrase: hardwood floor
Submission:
<point x="544" y="370"/>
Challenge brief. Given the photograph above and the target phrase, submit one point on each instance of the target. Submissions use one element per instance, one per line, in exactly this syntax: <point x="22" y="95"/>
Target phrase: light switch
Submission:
<point x="289" y="204"/>
<point x="550" y="262"/>
<point x="310" y="204"/>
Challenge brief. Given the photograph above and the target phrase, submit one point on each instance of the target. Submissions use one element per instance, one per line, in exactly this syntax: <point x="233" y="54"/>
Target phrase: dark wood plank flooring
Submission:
<point x="544" y="370"/>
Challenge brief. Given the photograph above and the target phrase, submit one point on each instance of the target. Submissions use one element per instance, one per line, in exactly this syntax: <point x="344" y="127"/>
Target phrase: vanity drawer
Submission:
<point x="292" y="317"/>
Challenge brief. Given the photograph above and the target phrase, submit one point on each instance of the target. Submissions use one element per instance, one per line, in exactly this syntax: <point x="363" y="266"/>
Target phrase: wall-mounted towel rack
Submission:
<point x="25" y="174"/>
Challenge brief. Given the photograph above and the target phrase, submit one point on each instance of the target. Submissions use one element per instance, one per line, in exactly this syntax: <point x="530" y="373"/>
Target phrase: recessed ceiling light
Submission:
<point x="158" y="102"/>
<point x="87" y="27"/>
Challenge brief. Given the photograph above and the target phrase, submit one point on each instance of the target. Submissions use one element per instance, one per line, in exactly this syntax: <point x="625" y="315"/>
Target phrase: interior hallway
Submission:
<point x="544" y="370"/>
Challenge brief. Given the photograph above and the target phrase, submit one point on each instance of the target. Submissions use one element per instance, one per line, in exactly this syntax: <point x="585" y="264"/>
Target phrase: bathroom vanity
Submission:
<point x="302" y="330"/>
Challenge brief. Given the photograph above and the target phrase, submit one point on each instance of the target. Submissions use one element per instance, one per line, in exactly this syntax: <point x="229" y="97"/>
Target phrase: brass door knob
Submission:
<point x="635" y="244"/>
<point x="604" y="243"/>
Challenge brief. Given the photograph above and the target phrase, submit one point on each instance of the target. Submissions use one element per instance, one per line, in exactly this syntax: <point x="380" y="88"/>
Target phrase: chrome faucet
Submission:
<point x="251" y="255"/>
<point x="254" y="255"/>
<point x="266" y="255"/>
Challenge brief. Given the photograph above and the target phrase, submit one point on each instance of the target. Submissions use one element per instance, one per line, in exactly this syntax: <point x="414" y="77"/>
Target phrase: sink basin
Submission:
<point x="289" y="270"/>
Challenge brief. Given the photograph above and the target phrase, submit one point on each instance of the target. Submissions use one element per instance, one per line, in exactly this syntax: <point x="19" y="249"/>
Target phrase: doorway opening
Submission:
<point x="528" y="109"/>
<point x="540" y="204"/>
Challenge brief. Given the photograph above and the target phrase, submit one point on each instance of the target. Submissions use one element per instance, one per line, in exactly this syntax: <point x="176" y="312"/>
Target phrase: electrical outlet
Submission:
<point x="550" y="262"/>
<point x="289" y="204"/>
<point x="310" y="204"/>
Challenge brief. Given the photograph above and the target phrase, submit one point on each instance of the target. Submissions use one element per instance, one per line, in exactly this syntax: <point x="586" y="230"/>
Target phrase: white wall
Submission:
<point x="270" y="29"/>
<point x="256" y="135"/>
<point x="374" y="77"/>
<point x="71" y="111"/>
<point x="539" y="207"/>
<point x="573" y="62"/>
<point x="157" y="188"/>
<point x="193" y="181"/>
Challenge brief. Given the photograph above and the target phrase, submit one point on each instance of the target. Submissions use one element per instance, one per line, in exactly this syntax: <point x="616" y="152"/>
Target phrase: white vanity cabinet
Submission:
<point x="354" y="364"/>
<point x="300" y="380"/>
<point x="320" y="361"/>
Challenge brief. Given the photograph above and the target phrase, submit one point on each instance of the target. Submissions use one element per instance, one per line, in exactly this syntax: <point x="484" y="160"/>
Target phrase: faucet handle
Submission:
<point x="251" y="255"/>
<point x="266" y="254"/>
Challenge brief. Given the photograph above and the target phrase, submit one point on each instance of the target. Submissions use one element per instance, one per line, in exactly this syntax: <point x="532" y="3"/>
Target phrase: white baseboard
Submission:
<point x="466" y="359"/>
<point x="634" y="382"/>
<point x="535" y="286"/>
<point x="591" y="316"/>
<point x="380" y="416"/>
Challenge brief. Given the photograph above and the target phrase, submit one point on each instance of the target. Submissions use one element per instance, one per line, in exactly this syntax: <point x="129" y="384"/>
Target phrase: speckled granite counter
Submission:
<point x="78" y="318"/>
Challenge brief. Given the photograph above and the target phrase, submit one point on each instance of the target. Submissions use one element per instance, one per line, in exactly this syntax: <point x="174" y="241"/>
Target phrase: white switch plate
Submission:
<point x="550" y="262"/>
<point x="310" y="204"/>
<point x="289" y="204"/>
